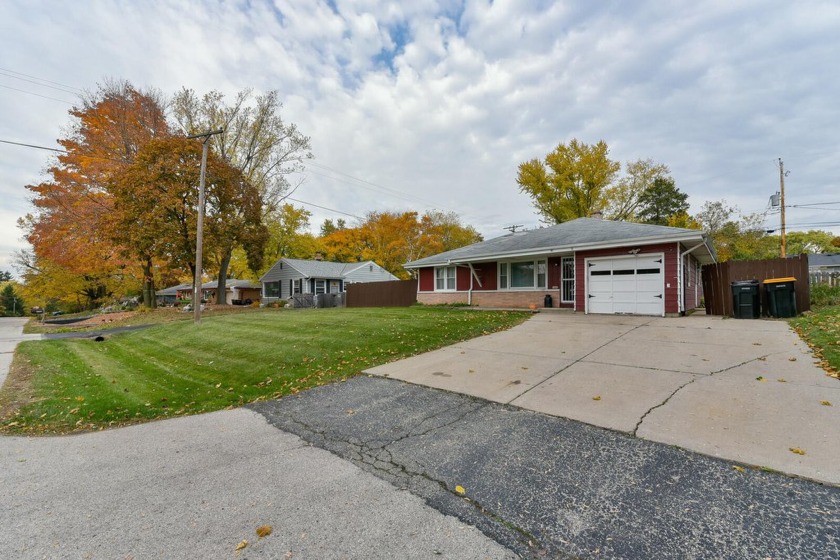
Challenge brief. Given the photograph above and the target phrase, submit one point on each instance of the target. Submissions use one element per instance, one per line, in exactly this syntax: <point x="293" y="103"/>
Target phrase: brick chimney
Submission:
<point x="319" y="256"/>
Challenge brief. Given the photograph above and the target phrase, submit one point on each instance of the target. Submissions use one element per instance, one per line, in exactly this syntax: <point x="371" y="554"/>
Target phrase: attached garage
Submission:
<point x="632" y="285"/>
<point x="589" y="265"/>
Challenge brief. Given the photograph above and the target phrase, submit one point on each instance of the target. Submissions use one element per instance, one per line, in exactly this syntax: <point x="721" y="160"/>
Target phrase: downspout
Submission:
<point x="680" y="282"/>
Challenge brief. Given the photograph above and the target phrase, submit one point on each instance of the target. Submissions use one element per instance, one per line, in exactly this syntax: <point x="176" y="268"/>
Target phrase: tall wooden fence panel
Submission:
<point x="397" y="293"/>
<point x="718" y="278"/>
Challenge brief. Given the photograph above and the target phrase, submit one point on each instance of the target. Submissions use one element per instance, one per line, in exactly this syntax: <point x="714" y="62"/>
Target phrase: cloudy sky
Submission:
<point x="433" y="104"/>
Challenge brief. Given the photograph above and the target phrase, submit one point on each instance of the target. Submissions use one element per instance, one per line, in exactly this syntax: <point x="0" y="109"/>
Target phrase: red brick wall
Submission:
<point x="671" y="280"/>
<point x="492" y="299"/>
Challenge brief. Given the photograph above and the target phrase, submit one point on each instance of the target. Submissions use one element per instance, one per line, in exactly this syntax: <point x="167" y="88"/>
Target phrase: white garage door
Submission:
<point x="634" y="285"/>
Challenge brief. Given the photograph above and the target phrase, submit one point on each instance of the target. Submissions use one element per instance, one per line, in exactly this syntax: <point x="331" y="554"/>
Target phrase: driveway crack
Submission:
<point x="695" y="377"/>
<point x="381" y="459"/>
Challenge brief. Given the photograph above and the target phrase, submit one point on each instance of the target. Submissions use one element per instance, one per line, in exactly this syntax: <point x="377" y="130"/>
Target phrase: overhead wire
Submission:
<point x="65" y="90"/>
<point x="36" y="94"/>
<point x="78" y="90"/>
<point x="37" y="147"/>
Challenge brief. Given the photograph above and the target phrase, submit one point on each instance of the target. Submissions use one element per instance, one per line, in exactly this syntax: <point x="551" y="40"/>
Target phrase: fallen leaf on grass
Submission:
<point x="264" y="530"/>
<point x="825" y="403"/>
<point x="242" y="544"/>
<point x="797" y="450"/>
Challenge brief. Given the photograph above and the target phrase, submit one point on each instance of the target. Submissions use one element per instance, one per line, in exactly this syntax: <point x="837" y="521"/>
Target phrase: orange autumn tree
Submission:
<point x="160" y="224"/>
<point x="391" y="239"/>
<point x="68" y="230"/>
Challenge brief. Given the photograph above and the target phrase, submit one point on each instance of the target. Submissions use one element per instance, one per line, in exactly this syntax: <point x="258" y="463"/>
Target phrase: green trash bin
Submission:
<point x="745" y="300"/>
<point x="781" y="297"/>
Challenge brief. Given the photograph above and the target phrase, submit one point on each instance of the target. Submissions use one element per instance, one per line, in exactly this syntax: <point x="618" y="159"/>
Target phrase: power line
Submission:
<point x="57" y="150"/>
<point x="41" y="79"/>
<point x="36" y="94"/>
<point x="387" y="190"/>
<point x="100" y="157"/>
<point x="38" y="83"/>
<point x="323" y="207"/>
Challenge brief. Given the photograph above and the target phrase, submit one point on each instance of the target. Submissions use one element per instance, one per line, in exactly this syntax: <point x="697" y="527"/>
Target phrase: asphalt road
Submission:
<point x="549" y="487"/>
<point x="199" y="487"/>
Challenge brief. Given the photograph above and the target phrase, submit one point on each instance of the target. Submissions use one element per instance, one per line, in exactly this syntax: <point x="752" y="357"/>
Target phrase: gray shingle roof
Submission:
<point x="230" y="283"/>
<point x="568" y="235"/>
<point x="323" y="269"/>
<point x="824" y="260"/>
<point x="173" y="290"/>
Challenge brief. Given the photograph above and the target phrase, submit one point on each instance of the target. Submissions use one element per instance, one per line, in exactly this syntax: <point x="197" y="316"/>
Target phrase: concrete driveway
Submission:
<point x="743" y="390"/>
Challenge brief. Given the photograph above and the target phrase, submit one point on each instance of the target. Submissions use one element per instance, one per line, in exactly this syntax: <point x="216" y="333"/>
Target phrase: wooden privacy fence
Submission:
<point x="396" y="293"/>
<point x="718" y="278"/>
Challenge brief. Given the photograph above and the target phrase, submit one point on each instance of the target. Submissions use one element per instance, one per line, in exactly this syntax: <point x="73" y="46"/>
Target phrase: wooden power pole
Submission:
<point x="199" y="234"/>
<point x="782" y="205"/>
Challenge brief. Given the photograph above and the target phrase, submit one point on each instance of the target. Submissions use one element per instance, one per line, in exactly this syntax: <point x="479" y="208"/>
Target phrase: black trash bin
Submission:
<point x="547" y="302"/>
<point x="745" y="300"/>
<point x="781" y="297"/>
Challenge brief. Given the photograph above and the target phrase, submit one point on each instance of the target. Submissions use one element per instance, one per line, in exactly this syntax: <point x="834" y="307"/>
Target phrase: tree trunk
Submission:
<point x="221" y="296"/>
<point x="149" y="299"/>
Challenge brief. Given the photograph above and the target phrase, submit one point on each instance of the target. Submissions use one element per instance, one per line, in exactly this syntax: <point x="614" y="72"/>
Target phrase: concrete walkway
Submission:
<point x="743" y="390"/>
<point x="11" y="333"/>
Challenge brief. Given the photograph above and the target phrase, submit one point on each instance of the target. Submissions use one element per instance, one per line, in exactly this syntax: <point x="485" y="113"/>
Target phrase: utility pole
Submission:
<point x="782" y="205"/>
<point x="199" y="235"/>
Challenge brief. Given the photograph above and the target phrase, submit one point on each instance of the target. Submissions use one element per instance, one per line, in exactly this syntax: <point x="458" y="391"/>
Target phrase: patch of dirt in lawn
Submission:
<point x="106" y="318"/>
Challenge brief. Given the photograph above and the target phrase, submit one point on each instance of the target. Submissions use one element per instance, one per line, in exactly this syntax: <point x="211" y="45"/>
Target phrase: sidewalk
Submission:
<point x="11" y="334"/>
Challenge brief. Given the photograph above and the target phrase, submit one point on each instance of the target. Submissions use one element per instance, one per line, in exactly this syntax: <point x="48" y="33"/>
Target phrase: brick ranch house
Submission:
<point x="588" y="264"/>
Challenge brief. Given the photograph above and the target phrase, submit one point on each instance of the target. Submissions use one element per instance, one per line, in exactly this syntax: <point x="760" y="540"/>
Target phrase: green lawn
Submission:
<point x="821" y="330"/>
<point x="174" y="369"/>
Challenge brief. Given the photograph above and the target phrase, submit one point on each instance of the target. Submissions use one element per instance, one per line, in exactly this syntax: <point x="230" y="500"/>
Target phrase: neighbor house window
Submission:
<point x="320" y="286"/>
<point x="567" y="269"/>
<point x="445" y="278"/>
<point x="272" y="289"/>
<point x="522" y="275"/>
<point x="297" y="285"/>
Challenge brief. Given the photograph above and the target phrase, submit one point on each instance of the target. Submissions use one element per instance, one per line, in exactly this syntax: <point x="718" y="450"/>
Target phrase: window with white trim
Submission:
<point x="522" y="275"/>
<point x="445" y="278"/>
<point x="320" y="286"/>
<point x="567" y="270"/>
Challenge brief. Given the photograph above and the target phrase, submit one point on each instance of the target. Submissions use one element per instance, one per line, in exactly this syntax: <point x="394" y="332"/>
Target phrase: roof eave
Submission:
<point x="563" y="249"/>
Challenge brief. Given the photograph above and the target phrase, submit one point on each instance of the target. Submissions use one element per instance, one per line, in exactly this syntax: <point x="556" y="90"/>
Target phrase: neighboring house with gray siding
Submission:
<point x="297" y="276"/>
